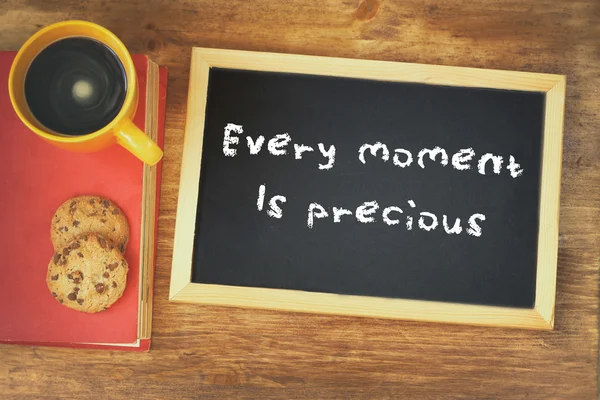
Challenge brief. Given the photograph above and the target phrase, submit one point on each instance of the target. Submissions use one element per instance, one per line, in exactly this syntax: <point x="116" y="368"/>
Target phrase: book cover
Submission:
<point x="36" y="178"/>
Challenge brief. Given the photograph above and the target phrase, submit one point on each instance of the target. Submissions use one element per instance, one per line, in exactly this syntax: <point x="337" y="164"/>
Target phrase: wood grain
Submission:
<point x="218" y="353"/>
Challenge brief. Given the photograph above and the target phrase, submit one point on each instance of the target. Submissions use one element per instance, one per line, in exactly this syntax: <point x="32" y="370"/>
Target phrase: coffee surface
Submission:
<point x="75" y="86"/>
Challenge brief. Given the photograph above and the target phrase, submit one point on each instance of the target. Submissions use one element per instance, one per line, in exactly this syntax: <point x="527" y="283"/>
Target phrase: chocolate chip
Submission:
<point x="62" y="261"/>
<point x="80" y="301"/>
<point x="114" y="284"/>
<point x="66" y="251"/>
<point x="54" y="277"/>
<point x="76" y="289"/>
<point x="123" y="262"/>
<point x="114" y="229"/>
<point x="74" y="245"/>
<point x="112" y="246"/>
<point x="75" y="223"/>
<point x="115" y="212"/>
<point x="84" y="237"/>
<point x="122" y="248"/>
<point x="73" y="204"/>
<point x="103" y="220"/>
<point x="103" y="212"/>
<point x="99" y="287"/>
<point x="54" y="294"/>
<point x="113" y="266"/>
<point x="63" y="229"/>
<point x="80" y="255"/>
<point x="77" y="276"/>
<point x="93" y="214"/>
<point x="72" y="296"/>
<point x="61" y="301"/>
<point x="72" y="210"/>
<point x="102" y="242"/>
<point x="106" y="275"/>
<point x="92" y="201"/>
<point x="105" y="203"/>
<point x="56" y="258"/>
<point x="70" y="276"/>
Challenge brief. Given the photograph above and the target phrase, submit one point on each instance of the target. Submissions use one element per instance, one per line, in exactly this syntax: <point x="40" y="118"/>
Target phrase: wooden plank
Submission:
<point x="190" y="177"/>
<point x="378" y="70"/>
<point x="360" y="306"/>
<point x="549" y="212"/>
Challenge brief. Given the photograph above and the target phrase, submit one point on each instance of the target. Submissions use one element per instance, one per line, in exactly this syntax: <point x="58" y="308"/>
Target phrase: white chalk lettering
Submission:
<point x="432" y="225"/>
<point x="367" y="208"/>
<point x="409" y="158"/>
<point x="338" y="212"/>
<point x="514" y="168"/>
<point x="373" y="148"/>
<point x="497" y="160"/>
<point x="261" y="198"/>
<point x="229" y="140"/>
<point x="386" y="213"/>
<point x="255" y="147"/>
<point x="278" y="143"/>
<point x="329" y="154"/>
<point x="299" y="149"/>
<point x="409" y="219"/>
<point x="315" y="210"/>
<point x="275" y="210"/>
<point x="456" y="228"/>
<point x="432" y="155"/>
<point x="475" y="229"/>
<point x="461" y="157"/>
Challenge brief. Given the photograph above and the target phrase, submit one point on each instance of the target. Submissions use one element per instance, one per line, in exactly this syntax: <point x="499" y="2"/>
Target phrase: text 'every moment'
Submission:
<point x="279" y="145"/>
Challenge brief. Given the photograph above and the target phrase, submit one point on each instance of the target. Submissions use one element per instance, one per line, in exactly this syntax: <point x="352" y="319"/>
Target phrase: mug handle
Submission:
<point x="137" y="142"/>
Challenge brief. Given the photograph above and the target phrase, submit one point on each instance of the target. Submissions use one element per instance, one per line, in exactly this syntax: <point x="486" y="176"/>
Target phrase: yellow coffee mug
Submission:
<point x="119" y="130"/>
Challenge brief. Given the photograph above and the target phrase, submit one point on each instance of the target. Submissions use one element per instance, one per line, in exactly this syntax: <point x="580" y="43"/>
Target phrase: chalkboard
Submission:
<point x="370" y="188"/>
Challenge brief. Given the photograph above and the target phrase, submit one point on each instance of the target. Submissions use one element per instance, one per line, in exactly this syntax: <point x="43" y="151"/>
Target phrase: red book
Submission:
<point x="36" y="178"/>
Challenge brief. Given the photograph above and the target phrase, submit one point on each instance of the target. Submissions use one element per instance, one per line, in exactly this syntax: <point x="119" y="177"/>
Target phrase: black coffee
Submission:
<point x="75" y="86"/>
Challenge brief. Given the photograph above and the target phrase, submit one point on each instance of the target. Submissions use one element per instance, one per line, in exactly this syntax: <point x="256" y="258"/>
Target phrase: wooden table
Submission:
<point x="211" y="352"/>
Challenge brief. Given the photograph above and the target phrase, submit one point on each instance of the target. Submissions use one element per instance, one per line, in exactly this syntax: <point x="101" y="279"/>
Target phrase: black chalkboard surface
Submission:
<point x="373" y="188"/>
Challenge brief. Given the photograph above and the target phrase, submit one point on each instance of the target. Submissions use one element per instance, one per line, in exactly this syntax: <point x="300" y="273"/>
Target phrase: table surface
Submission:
<point x="212" y="352"/>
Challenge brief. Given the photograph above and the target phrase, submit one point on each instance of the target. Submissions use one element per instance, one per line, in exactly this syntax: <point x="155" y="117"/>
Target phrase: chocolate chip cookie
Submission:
<point x="87" y="215"/>
<point x="88" y="275"/>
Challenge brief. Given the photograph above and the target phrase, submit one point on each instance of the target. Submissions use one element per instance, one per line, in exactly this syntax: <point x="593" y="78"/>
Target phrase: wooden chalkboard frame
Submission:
<point x="541" y="316"/>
